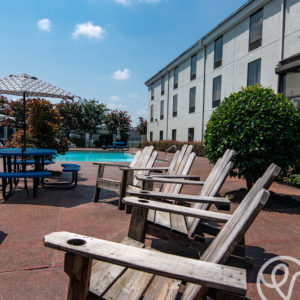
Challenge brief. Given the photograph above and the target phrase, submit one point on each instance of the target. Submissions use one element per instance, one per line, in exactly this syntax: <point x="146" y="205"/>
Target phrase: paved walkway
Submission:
<point x="28" y="270"/>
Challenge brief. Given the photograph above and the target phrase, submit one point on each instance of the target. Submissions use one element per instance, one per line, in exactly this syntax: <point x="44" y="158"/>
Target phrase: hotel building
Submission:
<point x="258" y="43"/>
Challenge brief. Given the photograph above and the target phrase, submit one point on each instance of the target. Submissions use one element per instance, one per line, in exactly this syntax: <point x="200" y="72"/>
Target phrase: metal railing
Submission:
<point x="173" y="146"/>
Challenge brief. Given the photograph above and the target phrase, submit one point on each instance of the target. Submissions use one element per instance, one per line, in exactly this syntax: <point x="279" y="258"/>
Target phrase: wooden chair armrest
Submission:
<point x="168" y="180"/>
<point x="179" y="210"/>
<point x="191" y="177"/>
<point x="177" y="197"/>
<point x="181" y="268"/>
<point x="145" y="169"/>
<point x="109" y="164"/>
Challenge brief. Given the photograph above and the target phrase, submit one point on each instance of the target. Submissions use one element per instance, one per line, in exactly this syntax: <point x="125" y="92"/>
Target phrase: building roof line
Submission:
<point x="201" y="41"/>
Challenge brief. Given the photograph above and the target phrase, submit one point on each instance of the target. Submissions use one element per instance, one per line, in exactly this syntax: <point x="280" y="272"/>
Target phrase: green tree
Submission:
<point x="118" y="119"/>
<point x="71" y="113"/>
<point x="261" y="126"/>
<point x="93" y="115"/>
<point x="15" y="110"/>
<point x="43" y="127"/>
<point x="5" y="109"/>
<point x="142" y="126"/>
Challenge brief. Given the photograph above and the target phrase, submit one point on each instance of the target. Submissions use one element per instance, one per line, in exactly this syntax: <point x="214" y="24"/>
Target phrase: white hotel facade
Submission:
<point x="259" y="43"/>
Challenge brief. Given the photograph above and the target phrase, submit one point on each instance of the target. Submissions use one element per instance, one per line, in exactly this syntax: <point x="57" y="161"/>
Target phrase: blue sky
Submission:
<point x="103" y="49"/>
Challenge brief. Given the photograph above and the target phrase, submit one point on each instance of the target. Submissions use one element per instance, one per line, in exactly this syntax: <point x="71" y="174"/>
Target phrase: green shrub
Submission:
<point x="261" y="126"/>
<point x="198" y="147"/>
<point x="293" y="179"/>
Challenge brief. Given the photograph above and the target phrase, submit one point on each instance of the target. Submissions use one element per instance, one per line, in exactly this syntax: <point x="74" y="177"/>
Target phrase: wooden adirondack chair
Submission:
<point x="143" y="159"/>
<point x="173" y="226"/>
<point x="179" y="167"/>
<point x="126" y="270"/>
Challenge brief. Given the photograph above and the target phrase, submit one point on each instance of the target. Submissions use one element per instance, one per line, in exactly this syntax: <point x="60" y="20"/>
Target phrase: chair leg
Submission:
<point x="4" y="185"/>
<point x="35" y="187"/>
<point x="97" y="189"/>
<point x="123" y="188"/>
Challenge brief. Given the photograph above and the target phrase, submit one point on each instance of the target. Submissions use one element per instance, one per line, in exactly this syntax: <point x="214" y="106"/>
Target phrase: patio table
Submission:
<point x="11" y="172"/>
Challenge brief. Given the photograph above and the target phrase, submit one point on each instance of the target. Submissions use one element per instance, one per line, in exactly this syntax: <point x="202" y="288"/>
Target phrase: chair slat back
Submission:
<point x="135" y="159"/>
<point x="176" y="188"/>
<point x="149" y="164"/>
<point x="212" y="185"/>
<point x="142" y="163"/>
<point x="182" y="162"/>
<point x="176" y="164"/>
<point x="230" y="235"/>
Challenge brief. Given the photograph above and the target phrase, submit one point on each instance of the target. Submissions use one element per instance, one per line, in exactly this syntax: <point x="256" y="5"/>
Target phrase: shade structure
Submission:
<point x="26" y="85"/>
<point x="32" y="87"/>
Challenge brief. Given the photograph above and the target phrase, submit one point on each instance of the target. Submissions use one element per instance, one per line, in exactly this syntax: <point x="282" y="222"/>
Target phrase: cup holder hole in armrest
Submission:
<point x="143" y="201"/>
<point x="76" y="242"/>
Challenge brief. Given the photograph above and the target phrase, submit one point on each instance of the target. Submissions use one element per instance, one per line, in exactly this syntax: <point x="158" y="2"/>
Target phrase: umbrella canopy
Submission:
<point x="5" y="117"/>
<point x="26" y="85"/>
<point x="33" y="87"/>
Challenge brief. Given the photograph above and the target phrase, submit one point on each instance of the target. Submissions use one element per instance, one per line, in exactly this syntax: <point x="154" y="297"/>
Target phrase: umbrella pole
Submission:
<point x="24" y="133"/>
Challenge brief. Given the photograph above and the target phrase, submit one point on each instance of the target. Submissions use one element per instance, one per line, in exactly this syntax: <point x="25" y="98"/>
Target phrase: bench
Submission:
<point x="67" y="168"/>
<point x="118" y="145"/>
<point x="35" y="175"/>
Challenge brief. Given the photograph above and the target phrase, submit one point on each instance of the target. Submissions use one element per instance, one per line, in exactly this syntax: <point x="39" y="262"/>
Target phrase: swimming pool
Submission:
<point x="94" y="156"/>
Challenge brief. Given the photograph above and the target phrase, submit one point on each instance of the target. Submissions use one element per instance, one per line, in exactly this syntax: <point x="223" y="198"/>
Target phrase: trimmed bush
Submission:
<point x="198" y="147"/>
<point x="293" y="179"/>
<point x="261" y="126"/>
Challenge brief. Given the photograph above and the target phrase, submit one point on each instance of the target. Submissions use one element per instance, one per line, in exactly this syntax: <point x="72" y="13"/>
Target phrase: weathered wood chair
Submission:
<point x="170" y="226"/>
<point x="179" y="168"/>
<point x="142" y="159"/>
<point x="126" y="270"/>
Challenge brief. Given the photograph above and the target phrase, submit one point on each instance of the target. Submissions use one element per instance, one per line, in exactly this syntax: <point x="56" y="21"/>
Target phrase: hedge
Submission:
<point x="198" y="147"/>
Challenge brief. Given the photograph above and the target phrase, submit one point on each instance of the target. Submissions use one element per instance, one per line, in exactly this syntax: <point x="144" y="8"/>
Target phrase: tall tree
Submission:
<point x="142" y="126"/>
<point x="44" y="127"/>
<point x="92" y="116"/>
<point x="118" y="119"/>
<point x="71" y="113"/>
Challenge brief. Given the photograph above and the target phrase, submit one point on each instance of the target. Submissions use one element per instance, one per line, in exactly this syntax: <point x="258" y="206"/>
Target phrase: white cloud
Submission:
<point x="128" y="2"/>
<point x="115" y="99"/>
<point x="141" y="113"/>
<point x="123" y="2"/>
<point x="89" y="30"/>
<point x="117" y="106"/>
<point x="133" y="96"/>
<point x="44" y="24"/>
<point x="150" y="1"/>
<point x="121" y="75"/>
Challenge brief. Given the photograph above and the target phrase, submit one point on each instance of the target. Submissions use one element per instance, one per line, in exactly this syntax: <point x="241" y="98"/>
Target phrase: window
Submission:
<point x="216" y="96"/>
<point x="176" y="78"/>
<point x="192" y="100"/>
<point x="193" y="66"/>
<point x="291" y="84"/>
<point x="218" y="52"/>
<point x="190" y="134"/>
<point x="152" y="92"/>
<point x="162" y="85"/>
<point x="175" y="97"/>
<point x="151" y="112"/>
<point x="173" y="134"/>
<point x="162" y="102"/>
<point x="161" y="135"/>
<point x="151" y="136"/>
<point x="255" y="31"/>
<point x="254" y="72"/>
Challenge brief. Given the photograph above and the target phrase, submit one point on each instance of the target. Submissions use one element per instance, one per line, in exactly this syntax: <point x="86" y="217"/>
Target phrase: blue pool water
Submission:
<point x="94" y="156"/>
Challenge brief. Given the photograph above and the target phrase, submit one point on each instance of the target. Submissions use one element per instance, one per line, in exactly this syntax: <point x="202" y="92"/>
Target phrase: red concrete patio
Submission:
<point x="28" y="270"/>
